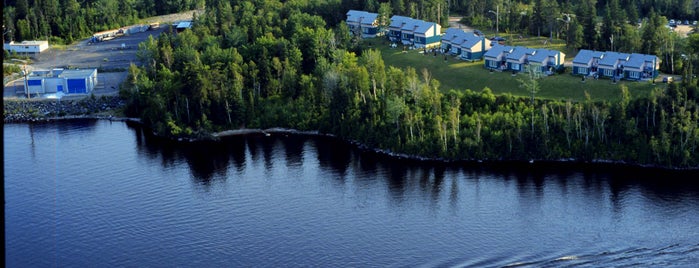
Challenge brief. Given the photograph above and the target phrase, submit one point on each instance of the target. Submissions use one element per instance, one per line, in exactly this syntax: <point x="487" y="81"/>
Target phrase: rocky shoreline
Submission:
<point x="33" y="110"/>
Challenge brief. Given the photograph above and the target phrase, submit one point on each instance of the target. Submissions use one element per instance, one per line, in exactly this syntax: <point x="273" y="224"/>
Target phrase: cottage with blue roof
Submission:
<point x="362" y="22"/>
<point x="467" y="45"/>
<point x="518" y="58"/>
<point x="545" y="60"/>
<point x="473" y="46"/>
<point x="616" y="65"/>
<point x="612" y="64"/>
<point x="449" y="37"/>
<point x="426" y="34"/>
<point x="412" y="32"/>
<point x="395" y="29"/>
<point x="641" y="67"/>
<point x="586" y="62"/>
<point x="495" y="57"/>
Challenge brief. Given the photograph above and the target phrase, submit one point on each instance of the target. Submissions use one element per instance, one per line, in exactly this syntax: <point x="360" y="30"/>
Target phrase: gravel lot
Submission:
<point x="116" y="54"/>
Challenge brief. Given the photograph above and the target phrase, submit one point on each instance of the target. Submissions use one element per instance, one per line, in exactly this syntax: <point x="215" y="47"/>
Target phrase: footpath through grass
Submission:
<point x="461" y="75"/>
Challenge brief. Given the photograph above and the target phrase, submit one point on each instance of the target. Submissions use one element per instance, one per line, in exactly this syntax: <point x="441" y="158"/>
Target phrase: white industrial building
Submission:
<point x="61" y="82"/>
<point x="27" y="46"/>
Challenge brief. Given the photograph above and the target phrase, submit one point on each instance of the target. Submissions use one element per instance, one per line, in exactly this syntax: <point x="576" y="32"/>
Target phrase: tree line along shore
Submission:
<point x="238" y="68"/>
<point x="266" y="64"/>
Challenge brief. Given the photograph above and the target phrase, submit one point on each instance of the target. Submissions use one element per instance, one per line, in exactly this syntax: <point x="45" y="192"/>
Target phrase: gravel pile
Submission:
<point x="38" y="110"/>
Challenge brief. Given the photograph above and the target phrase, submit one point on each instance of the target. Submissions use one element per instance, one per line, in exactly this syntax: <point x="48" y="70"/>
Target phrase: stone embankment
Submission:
<point x="19" y="110"/>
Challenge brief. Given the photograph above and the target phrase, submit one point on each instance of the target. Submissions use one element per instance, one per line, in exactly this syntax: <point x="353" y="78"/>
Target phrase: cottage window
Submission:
<point x="582" y="70"/>
<point x="516" y="66"/>
<point x="608" y="72"/>
<point x="634" y="75"/>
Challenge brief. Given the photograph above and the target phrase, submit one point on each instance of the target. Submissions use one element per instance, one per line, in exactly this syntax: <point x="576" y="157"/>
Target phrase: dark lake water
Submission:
<point x="104" y="194"/>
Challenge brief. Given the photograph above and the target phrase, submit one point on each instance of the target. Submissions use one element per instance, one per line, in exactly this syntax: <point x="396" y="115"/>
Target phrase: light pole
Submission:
<point x="26" y="87"/>
<point x="567" y="21"/>
<point x="497" y="18"/>
<point x="611" y="39"/>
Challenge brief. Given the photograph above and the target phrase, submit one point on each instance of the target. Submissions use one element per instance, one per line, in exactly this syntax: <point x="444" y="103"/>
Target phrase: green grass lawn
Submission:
<point x="461" y="75"/>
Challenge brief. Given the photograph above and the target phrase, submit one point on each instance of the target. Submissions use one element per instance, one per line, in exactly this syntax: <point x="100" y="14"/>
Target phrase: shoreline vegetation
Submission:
<point x="217" y="136"/>
<point x="237" y="68"/>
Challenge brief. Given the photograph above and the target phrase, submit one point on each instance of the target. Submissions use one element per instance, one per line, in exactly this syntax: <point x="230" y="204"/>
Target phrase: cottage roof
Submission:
<point x="399" y="21"/>
<point x="497" y="50"/>
<point x="451" y="34"/>
<point x="584" y="56"/>
<point x="637" y="60"/>
<point x="409" y="25"/>
<point x="612" y="58"/>
<point x="471" y="40"/>
<point x="460" y="38"/>
<point x="542" y="55"/>
<point x="423" y="26"/>
<point x="358" y="16"/>
<point x="519" y="52"/>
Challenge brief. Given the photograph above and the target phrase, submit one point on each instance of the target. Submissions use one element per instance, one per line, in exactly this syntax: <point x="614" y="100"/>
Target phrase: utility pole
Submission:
<point x="26" y="87"/>
<point x="497" y="18"/>
<point x="567" y="21"/>
<point x="611" y="39"/>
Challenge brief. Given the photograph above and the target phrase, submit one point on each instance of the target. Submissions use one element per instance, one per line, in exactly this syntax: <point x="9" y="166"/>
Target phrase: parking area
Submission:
<point x="113" y="56"/>
<point x="117" y="53"/>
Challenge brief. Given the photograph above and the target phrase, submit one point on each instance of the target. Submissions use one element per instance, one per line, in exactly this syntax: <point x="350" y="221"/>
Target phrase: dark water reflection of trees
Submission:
<point x="211" y="160"/>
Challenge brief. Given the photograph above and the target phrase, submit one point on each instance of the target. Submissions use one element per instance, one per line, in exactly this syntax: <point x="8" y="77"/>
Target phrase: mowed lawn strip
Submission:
<point x="461" y="75"/>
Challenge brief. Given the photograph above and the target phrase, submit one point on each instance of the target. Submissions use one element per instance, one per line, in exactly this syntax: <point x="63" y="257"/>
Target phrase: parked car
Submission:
<point x="686" y="22"/>
<point x="671" y="22"/>
<point x="694" y="23"/>
<point x="667" y="79"/>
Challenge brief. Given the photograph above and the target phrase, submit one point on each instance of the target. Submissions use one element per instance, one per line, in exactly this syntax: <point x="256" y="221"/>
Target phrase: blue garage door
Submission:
<point x="76" y="86"/>
<point x="33" y="83"/>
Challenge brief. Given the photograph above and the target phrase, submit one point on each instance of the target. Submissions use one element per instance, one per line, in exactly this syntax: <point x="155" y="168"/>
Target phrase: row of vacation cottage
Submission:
<point x="474" y="46"/>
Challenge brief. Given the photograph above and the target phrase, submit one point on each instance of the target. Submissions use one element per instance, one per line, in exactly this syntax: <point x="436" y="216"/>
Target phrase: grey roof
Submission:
<point x="612" y="58"/>
<point x="67" y="73"/>
<point x="78" y="73"/>
<point x="518" y="52"/>
<point x="497" y="50"/>
<point x="584" y="56"/>
<point x="358" y="16"/>
<point x="638" y="60"/>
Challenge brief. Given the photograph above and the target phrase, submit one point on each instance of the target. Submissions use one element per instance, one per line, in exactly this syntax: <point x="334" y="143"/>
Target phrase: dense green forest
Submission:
<point x="273" y="63"/>
<point x="64" y="21"/>
<point x="259" y="64"/>
<point x="589" y="24"/>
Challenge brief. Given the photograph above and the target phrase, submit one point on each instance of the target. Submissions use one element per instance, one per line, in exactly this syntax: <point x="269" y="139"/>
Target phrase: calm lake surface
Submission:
<point x="104" y="194"/>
